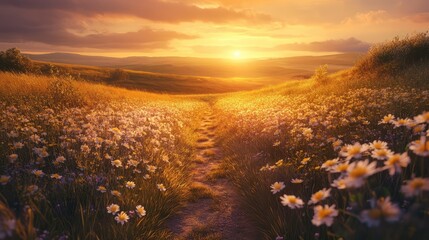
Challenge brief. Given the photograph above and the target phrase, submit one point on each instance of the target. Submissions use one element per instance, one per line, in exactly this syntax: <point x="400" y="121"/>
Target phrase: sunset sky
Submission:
<point x="207" y="28"/>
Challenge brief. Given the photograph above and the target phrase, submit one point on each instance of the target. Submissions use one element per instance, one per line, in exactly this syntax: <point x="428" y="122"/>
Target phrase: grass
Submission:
<point x="199" y="159"/>
<point x="68" y="145"/>
<point x="208" y="153"/>
<point x="157" y="82"/>
<point x="217" y="173"/>
<point x="394" y="56"/>
<point x="200" y="191"/>
<point x="116" y="124"/>
<point x="301" y="120"/>
<point x="204" y="233"/>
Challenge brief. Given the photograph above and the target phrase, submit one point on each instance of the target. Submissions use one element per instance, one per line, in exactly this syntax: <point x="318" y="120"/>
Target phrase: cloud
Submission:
<point x="235" y="3"/>
<point x="419" y="17"/>
<point x="334" y="45"/>
<point x="59" y="29"/>
<point x="155" y="10"/>
<point x="370" y="17"/>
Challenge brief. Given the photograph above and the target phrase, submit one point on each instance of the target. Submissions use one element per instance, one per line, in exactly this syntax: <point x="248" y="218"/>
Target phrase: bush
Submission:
<point x="321" y="74"/>
<point x="12" y="60"/>
<point x="118" y="75"/>
<point x="396" y="55"/>
<point x="49" y="69"/>
<point x="62" y="93"/>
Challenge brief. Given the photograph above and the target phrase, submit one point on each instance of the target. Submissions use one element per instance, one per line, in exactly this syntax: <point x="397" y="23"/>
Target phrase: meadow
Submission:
<point x="71" y="150"/>
<point x="335" y="156"/>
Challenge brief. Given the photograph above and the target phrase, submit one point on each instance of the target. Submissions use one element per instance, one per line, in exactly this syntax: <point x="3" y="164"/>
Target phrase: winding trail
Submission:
<point x="216" y="215"/>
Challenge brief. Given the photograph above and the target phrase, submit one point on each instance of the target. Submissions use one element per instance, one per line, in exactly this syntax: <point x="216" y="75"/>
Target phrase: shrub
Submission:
<point x="321" y="74"/>
<point x="118" y="75"/>
<point x="12" y="60"/>
<point x="62" y="93"/>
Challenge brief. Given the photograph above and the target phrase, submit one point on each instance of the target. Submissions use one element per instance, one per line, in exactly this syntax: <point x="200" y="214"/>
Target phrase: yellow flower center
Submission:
<point x="318" y="195"/>
<point x="377" y="145"/>
<point x="382" y="153"/>
<point x="325" y="212"/>
<point x="358" y="172"/>
<point x="354" y="150"/>
<point x="342" y="167"/>
<point x="387" y="119"/>
<point x="393" y="160"/>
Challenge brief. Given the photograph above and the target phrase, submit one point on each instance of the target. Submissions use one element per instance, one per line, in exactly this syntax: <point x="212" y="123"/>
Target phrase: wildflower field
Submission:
<point x="105" y="169"/>
<point x="349" y="164"/>
<point x="341" y="156"/>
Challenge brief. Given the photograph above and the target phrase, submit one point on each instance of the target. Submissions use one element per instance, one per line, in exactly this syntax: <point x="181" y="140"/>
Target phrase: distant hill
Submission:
<point x="279" y="69"/>
<point x="158" y="82"/>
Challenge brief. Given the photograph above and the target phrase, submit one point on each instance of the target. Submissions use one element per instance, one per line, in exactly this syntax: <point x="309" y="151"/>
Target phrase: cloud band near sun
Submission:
<point x="200" y="28"/>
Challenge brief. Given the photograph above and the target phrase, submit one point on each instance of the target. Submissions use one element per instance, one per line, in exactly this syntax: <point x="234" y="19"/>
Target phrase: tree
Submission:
<point x="12" y="60"/>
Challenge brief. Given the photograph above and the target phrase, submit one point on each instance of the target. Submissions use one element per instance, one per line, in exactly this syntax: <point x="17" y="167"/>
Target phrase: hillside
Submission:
<point x="191" y="75"/>
<point x="291" y="67"/>
<point x="160" y="82"/>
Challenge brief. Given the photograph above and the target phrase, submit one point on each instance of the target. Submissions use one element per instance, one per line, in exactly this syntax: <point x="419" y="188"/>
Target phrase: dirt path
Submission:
<point x="213" y="211"/>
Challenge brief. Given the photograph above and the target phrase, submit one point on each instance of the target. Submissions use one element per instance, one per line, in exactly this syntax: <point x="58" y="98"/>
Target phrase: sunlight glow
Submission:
<point x="236" y="54"/>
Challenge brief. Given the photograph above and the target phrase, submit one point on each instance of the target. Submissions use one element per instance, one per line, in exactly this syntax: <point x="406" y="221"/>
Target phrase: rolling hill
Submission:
<point x="211" y="75"/>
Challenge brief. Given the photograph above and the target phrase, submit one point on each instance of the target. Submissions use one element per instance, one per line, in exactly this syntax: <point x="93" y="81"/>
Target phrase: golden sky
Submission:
<point x="207" y="28"/>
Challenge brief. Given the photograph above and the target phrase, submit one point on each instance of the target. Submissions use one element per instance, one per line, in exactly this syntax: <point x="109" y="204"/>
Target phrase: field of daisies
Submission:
<point x="94" y="169"/>
<point x="343" y="157"/>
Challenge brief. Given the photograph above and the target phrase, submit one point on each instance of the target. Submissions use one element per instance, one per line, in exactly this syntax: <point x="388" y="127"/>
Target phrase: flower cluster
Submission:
<point x="336" y="156"/>
<point x="358" y="162"/>
<point x="112" y="152"/>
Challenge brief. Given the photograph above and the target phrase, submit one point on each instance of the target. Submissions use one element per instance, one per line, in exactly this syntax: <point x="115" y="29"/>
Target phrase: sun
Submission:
<point x="236" y="54"/>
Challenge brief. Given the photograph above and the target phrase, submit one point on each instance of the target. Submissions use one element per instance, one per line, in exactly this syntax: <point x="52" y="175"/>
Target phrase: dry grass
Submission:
<point x="217" y="173"/>
<point x="199" y="159"/>
<point x="205" y="145"/>
<point x="21" y="85"/>
<point x="200" y="191"/>
<point x="204" y="232"/>
<point x="209" y="152"/>
<point x="85" y="211"/>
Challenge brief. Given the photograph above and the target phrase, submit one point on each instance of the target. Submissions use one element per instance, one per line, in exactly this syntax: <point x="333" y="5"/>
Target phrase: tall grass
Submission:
<point x="395" y="56"/>
<point x="58" y="145"/>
